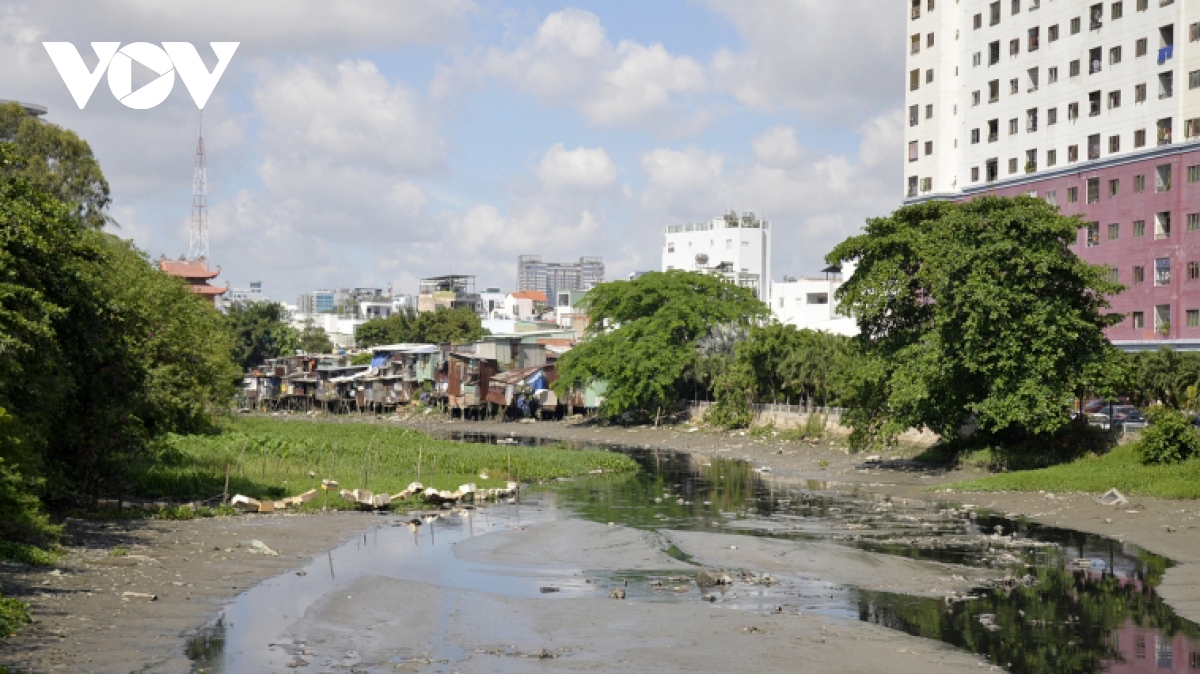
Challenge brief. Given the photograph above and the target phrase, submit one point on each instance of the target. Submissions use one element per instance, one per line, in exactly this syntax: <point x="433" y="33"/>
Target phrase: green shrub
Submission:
<point x="1169" y="437"/>
<point x="13" y="615"/>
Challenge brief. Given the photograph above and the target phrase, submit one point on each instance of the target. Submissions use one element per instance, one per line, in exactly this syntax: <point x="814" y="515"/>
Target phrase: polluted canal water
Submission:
<point x="1026" y="597"/>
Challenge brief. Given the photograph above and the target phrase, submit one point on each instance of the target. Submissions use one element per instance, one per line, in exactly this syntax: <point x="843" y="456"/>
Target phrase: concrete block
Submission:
<point x="266" y="507"/>
<point x="310" y="495"/>
<point x="244" y="502"/>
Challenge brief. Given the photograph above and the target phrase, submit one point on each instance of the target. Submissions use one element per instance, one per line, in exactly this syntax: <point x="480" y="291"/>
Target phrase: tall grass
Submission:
<point x="1121" y="468"/>
<point x="273" y="458"/>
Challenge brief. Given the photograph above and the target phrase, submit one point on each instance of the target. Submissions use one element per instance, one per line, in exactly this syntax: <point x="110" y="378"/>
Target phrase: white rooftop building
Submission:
<point x="810" y="303"/>
<point x="735" y="247"/>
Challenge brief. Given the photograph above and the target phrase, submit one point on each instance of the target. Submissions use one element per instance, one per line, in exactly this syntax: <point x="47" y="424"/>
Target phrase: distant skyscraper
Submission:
<point x="552" y="277"/>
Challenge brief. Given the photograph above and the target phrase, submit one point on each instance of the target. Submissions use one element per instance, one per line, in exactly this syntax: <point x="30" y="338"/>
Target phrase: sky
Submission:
<point x="368" y="142"/>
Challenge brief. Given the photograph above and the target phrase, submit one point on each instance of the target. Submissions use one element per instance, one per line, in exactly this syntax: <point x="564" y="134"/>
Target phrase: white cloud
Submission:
<point x="585" y="168"/>
<point x="570" y="61"/>
<point x="833" y="60"/>
<point x="777" y="147"/>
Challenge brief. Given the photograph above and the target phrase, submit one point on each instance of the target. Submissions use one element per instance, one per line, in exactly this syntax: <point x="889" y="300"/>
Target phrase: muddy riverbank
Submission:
<point x="464" y="592"/>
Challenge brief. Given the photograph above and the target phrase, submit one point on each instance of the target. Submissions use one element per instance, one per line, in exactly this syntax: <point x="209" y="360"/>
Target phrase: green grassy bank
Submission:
<point x="272" y="458"/>
<point x="1121" y="468"/>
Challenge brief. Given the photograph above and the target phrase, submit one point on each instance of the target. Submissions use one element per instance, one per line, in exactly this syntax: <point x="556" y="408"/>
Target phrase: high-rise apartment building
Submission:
<point x="1092" y="106"/>
<point x="736" y="247"/>
<point x="552" y="277"/>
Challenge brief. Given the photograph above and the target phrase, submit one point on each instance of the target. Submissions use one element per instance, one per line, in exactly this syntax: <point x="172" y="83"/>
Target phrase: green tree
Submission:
<point x="100" y="352"/>
<point x="57" y="161"/>
<point x="1169" y="437"/>
<point x="260" y="332"/>
<point x="1162" y="376"/>
<point x="440" y="326"/>
<point x="643" y="333"/>
<point x="790" y="364"/>
<point x="314" y="340"/>
<point x="976" y="309"/>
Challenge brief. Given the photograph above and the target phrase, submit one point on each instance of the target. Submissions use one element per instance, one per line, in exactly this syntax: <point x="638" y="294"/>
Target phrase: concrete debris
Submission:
<point x="705" y="578"/>
<point x="988" y="620"/>
<point x="244" y="503"/>
<point x="126" y="596"/>
<point x="259" y="548"/>
<point x="617" y="593"/>
<point x="1112" y="497"/>
<point x="329" y="485"/>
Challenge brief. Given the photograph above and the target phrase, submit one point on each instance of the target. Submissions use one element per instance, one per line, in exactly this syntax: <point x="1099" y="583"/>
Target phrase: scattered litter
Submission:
<point x="548" y="589"/>
<point x="259" y="548"/>
<point x="617" y="593"/>
<point x="126" y="596"/>
<point x="1112" y="497"/>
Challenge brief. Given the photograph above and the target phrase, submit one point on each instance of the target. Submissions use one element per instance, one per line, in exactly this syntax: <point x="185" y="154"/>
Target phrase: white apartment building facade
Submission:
<point x="736" y="247"/>
<point x="811" y="303"/>
<point x="1092" y="106"/>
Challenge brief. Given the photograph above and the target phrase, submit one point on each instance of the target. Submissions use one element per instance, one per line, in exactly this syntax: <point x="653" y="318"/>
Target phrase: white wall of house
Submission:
<point x="704" y="246"/>
<point x="810" y="304"/>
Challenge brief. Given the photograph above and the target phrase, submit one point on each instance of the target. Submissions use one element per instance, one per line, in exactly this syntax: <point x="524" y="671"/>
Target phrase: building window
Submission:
<point x="992" y="168"/>
<point x="1114" y="56"/>
<point x="1162" y="225"/>
<point x="1075" y="23"/>
<point x="1114" y="231"/>
<point x="1033" y="79"/>
<point x="1114" y="99"/>
<point x="1031" y="120"/>
<point x="1093" y="234"/>
<point x="978" y="21"/>
<point x="994" y="13"/>
<point x="1052" y="75"/>
<point x="929" y="111"/>
<point x="914" y="115"/>
<point x="1052" y="33"/>
<point x="1093" y="190"/>
<point x="1140" y="47"/>
<point x="1095" y="62"/>
<point x="1164" y="131"/>
<point x="926" y="184"/>
<point x="1014" y="85"/>
<point x="912" y="186"/>
<point x="1051" y="116"/>
<point x="928" y="147"/>
<point x="1139" y="138"/>
<point x="974" y="174"/>
<point x="1139" y="183"/>
<point x="1117" y="11"/>
<point x="1052" y="196"/>
<point x="1072" y="195"/>
<point x="1030" y="161"/>
<point x="1166" y="85"/>
<point x="1094" y="146"/>
<point x="1194" y="79"/>
<point x="1162" y="178"/>
<point x="929" y="76"/>
<point x="1094" y="104"/>
<point x="976" y="59"/>
<point x="1193" y="319"/>
<point x="1016" y="6"/>
<point x="1162" y="271"/>
<point x="1096" y="18"/>
<point x="1114" y="187"/>
<point x="1194" y="32"/>
<point x="913" y="150"/>
<point x="1162" y="323"/>
<point x="1143" y="4"/>
<point x="974" y="136"/>
<point x="1114" y="144"/>
<point x="1114" y="275"/>
<point x="1139" y="93"/>
<point x="1139" y="320"/>
<point x="1033" y="39"/>
<point x="916" y="9"/>
<point x="1073" y="68"/>
<point x="1139" y="229"/>
<point x="1012" y="166"/>
<point x="914" y="44"/>
<point x="1193" y="222"/>
<point x="1191" y="127"/>
<point x="1051" y="158"/>
<point x="1193" y="274"/>
<point x="914" y="80"/>
<point x="993" y="130"/>
<point x="975" y="98"/>
<point x="1072" y="112"/>
<point x="1194" y="174"/>
<point x="1139" y="274"/>
<point x="1012" y="126"/>
<point x="929" y="40"/>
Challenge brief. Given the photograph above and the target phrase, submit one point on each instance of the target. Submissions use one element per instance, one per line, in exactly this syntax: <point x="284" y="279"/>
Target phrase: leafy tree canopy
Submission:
<point x="313" y="339"/>
<point x="440" y="326"/>
<point x="260" y="332"/>
<point x="642" y="336"/>
<point x="55" y="160"/>
<point x="978" y="308"/>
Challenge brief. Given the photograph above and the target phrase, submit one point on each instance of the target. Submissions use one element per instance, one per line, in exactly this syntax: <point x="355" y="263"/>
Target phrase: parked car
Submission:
<point x="1099" y="420"/>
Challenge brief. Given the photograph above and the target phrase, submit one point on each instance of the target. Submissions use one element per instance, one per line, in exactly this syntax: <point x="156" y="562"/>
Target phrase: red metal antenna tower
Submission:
<point x="198" y="232"/>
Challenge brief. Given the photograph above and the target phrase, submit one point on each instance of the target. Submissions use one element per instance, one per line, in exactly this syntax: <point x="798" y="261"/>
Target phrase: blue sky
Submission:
<point x="375" y="142"/>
